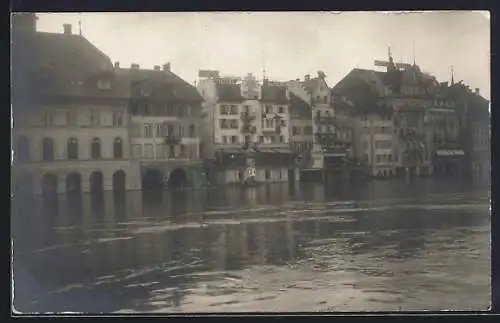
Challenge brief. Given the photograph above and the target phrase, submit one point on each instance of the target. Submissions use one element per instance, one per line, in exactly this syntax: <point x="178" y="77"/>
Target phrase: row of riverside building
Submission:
<point x="83" y="123"/>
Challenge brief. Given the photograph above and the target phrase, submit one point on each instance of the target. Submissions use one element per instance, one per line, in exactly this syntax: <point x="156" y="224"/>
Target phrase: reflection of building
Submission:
<point x="246" y="125"/>
<point x="70" y="129"/>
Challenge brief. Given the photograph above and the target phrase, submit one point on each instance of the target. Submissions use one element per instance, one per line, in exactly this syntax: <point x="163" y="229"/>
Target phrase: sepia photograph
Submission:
<point x="250" y="162"/>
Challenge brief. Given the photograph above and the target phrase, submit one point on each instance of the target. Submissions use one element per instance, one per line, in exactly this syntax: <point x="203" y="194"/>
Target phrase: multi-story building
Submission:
<point x="165" y="117"/>
<point x="325" y="150"/>
<point x="479" y="131"/>
<point x="447" y="126"/>
<point x="70" y="131"/>
<point x="392" y="132"/>
<point x="301" y="130"/>
<point x="246" y="128"/>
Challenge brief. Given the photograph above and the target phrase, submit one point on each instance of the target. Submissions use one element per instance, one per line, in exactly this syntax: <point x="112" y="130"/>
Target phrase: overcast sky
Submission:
<point x="290" y="45"/>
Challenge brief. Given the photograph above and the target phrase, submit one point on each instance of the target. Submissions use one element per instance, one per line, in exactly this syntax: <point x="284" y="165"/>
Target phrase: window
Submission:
<point x="224" y="109"/>
<point x="269" y="109"/>
<point x="261" y="139"/>
<point x="183" y="151"/>
<point x="95" y="150"/>
<point x="48" y="149"/>
<point x="308" y="130"/>
<point x="117" y="119"/>
<point x="268" y="174"/>
<point x="269" y="123"/>
<point x="318" y="98"/>
<point x="104" y="84"/>
<point x="117" y="148"/>
<point x="148" y="130"/>
<point x="69" y="120"/>
<point x="171" y="152"/>
<point x="283" y="122"/>
<point x="282" y="138"/>
<point x="223" y="124"/>
<point x="72" y="147"/>
<point x="295" y="130"/>
<point x="137" y="150"/>
<point x="318" y="114"/>
<point x="234" y="139"/>
<point x="233" y="124"/>
<point x="365" y="145"/>
<point x="192" y="131"/>
<point x="326" y="99"/>
<point x="148" y="151"/>
<point x="22" y="152"/>
<point x="94" y="118"/>
<point x="234" y="109"/>
<point x="281" y="109"/>
<point x="378" y="158"/>
<point x="134" y="109"/>
<point x="363" y="118"/>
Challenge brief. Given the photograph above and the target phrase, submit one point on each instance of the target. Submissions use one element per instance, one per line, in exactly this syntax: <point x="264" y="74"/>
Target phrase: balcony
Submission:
<point x="330" y="120"/>
<point x="248" y="129"/>
<point x="172" y="140"/>
<point x="247" y="116"/>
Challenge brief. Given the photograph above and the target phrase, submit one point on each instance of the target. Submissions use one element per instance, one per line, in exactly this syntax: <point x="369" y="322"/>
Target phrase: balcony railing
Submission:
<point x="324" y="120"/>
<point x="248" y="129"/>
<point x="172" y="140"/>
<point x="247" y="116"/>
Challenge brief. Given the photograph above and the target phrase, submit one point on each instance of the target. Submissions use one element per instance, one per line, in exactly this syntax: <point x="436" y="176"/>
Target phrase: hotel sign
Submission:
<point x="448" y="153"/>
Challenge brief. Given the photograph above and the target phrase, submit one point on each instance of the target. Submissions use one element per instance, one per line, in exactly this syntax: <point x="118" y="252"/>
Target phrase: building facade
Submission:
<point x="246" y="131"/>
<point x="70" y="131"/>
<point x="164" y="125"/>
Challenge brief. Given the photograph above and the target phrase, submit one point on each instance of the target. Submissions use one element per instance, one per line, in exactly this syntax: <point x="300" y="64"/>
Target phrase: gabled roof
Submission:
<point x="274" y="94"/>
<point x="229" y="92"/>
<point x="159" y="84"/>
<point x="300" y="106"/>
<point x="58" y="64"/>
<point x="311" y="84"/>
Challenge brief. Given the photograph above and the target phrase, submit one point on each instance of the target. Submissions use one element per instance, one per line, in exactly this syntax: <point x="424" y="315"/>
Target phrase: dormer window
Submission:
<point x="104" y="84"/>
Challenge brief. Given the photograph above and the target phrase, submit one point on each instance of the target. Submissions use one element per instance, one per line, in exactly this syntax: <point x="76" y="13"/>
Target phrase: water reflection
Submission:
<point x="148" y="252"/>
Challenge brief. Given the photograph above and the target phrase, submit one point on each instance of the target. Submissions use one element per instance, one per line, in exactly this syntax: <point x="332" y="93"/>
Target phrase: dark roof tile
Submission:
<point x="274" y="94"/>
<point x="229" y="92"/>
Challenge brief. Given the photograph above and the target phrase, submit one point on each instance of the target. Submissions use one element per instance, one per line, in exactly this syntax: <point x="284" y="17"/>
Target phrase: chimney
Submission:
<point x="307" y="77"/>
<point x="67" y="29"/>
<point x="117" y="64"/>
<point x="156" y="67"/>
<point x="134" y="66"/>
<point x="166" y="67"/>
<point x="477" y="91"/>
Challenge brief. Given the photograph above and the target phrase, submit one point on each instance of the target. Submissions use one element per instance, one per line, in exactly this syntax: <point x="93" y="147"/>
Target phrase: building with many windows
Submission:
<point x="165" y="119"/>
<point x="246" y="130"/>
<point x="70" y="131"/>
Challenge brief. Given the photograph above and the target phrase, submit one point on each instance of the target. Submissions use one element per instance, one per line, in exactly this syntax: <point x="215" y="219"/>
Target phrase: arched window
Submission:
<point x="95" y="150"/>
<point x="72" y="148"/>
<point x="118" y="148"/>
<point x="48" y="149"/>
<point x="192" y="131"/>
<point x="22" y="152"/>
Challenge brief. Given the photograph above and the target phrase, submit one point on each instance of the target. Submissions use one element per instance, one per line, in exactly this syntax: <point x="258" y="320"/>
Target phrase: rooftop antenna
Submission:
<point x="452" y="75"/>
<point x="263" y="65"/>
<point x="414" y="52"/>
<point x="80" y="25"/>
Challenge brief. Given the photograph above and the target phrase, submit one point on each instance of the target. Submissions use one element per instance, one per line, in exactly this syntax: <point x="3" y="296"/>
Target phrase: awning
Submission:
<point x="447" y="153"/>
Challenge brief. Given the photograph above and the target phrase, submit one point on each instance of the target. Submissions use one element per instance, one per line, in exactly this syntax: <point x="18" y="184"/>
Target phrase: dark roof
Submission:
<point x="159" y="84"/>
<point x="274" y="94"/>
<point x="59" y="64"/>
<point x="229" y="92"/>
<point x="300" y="106"/>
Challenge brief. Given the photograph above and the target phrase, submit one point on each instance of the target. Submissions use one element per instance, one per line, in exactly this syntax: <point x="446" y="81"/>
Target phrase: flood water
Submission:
<point x="379" y="246"/>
